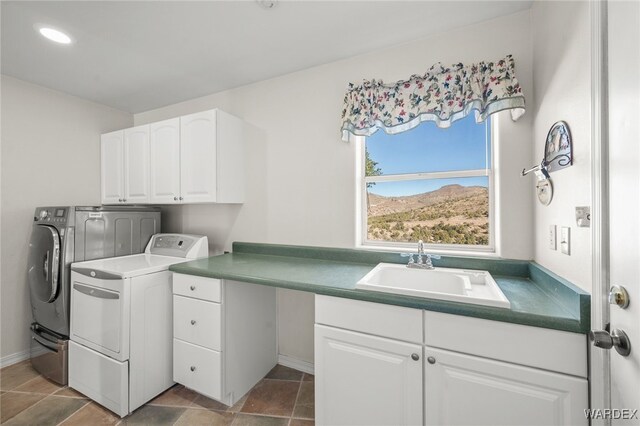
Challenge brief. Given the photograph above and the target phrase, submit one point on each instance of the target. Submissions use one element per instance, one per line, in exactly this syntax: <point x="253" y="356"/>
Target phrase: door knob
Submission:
<point x="193" y="368"/>
<point x="175" y="198"/>
<point x="193" y="322"/>
<point x="181" y="198"/>
<point x="617" y="339"/>
<point x="618" y="296"/>
<point x="415" y="357"/>
<point x="193" y="287"/>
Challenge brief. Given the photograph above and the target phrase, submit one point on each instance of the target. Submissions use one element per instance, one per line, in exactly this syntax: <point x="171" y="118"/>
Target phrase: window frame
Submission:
<point x="362" y="220"/>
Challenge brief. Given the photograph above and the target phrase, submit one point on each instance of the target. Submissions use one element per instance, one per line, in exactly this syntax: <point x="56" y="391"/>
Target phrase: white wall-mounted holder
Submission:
<point x="557" y="155"/>
<point x="544" y="188"/>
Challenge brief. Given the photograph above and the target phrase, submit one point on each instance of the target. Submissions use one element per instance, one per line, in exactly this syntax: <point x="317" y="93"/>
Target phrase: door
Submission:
<point x="44" y="263"/>
<point x="198" y="157"/>
<point x="100" y="314"/>
<point x="468" y="390"/>
<point x="164" y="149"/>
<point x="624" y="198"/>
<point x="366" y="380"/>
<point x="112" y="167"/>
<point x="136" y="165"/>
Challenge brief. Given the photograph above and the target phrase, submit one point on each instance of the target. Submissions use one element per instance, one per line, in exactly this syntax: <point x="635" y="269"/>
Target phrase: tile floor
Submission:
<point x="285" y="397"/>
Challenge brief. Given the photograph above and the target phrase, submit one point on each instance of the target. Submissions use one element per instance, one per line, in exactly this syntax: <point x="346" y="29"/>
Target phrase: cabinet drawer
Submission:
<point x="196" y="321"/>
<point x="197" y="368"/>
<point x="544" y="348"/>
<point x="372" y="318"/>
<point x="198" y="287"/>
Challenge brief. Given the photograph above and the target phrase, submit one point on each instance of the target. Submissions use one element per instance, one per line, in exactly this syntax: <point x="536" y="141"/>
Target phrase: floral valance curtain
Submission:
<point x="443" y="95"/>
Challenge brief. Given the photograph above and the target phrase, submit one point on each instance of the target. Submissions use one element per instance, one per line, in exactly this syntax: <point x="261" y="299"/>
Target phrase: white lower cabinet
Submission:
<point x="224" y="335"/>
<point x="468" y="390"/>
<point x="386" y="365"/>
<point x="366" y="380"/>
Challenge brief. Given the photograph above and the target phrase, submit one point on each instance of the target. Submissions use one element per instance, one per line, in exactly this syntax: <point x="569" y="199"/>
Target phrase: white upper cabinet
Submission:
<point x="125" y="166"/>
<point x="197" y="158"/>
<point x="136" y="165"/>
<point x="198" y="154"/>
<point x="164" y="164"/>
<point x="211" y="158"/>
<point x="112" y="167"/>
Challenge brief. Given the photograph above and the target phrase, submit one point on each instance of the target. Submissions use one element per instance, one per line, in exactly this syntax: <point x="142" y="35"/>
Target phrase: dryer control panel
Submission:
<point x="56" y="215"/>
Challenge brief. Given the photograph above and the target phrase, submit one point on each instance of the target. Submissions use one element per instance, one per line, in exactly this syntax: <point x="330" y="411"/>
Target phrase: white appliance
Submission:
<point x="120" y="353"/>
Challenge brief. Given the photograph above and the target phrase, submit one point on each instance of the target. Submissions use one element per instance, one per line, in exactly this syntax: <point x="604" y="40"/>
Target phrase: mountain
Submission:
<point x="453" y="214"/>
<point x="381" y="205"/>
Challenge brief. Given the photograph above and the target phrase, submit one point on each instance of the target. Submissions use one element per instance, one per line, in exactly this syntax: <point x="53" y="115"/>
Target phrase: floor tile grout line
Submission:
<point x="295" y="403"/>
<point x="69" y="416"/>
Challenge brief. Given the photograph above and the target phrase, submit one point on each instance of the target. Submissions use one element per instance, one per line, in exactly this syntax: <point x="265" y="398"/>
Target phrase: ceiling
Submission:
<point x="138" y="56"/>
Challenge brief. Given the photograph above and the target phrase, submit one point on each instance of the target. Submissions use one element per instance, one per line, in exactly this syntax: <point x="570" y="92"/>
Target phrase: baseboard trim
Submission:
<point x="15" y="358"/>
<point x="296" y="364"/>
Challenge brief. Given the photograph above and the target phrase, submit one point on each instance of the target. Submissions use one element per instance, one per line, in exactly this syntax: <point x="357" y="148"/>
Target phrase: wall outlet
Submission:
<point x="552" y="237"/>
<point x="583" y="217"/>
<point x="565" y="240"/>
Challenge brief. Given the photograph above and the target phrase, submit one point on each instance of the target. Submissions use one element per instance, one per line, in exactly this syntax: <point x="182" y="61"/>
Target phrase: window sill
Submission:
<point x="486" y="253"/>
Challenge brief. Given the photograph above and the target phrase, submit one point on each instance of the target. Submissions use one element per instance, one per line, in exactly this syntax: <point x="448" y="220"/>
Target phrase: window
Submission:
<point x="429" y="184"/>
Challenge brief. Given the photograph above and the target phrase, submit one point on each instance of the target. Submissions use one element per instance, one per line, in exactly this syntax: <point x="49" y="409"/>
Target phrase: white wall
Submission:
<point x="562" y="84"/>
<point x="301" y="176"/>
<point x="50" y="156"/>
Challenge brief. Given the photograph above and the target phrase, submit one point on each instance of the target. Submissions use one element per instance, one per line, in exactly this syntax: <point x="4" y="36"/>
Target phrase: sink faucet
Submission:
<point x="424" y="259"/>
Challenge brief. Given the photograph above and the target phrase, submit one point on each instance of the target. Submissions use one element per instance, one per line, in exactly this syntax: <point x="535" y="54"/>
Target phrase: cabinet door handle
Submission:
<point x="175" y="198"/>
<point x="181" y="198"/>
<point x="124" y="200"/>
<point x="193" y="368"/>
<point x="119" y="200"/>
<point x="415" y="357"/>
<point x="431" y="360"/>
<point x="193" y="287"/>
<point x="193" y="322"/>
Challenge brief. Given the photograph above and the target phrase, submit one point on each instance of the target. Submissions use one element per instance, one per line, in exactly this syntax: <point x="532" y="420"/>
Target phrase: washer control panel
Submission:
<point x="179" y="245"/>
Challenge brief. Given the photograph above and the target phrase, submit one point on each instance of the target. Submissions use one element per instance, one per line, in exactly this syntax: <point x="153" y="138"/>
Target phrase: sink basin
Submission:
<point x="456" y="285"/>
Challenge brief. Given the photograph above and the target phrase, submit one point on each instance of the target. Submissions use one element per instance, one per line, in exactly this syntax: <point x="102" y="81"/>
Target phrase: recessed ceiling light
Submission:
<point x="55" y="35"/>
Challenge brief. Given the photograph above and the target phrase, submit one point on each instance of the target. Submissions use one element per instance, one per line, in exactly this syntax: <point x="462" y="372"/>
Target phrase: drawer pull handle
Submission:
<point x="415" y="357"/>
<point x="431" y="360"/>
<point x="193" y="368"/>
<point x="193" y="322"/>
<point x="193" y="287"/>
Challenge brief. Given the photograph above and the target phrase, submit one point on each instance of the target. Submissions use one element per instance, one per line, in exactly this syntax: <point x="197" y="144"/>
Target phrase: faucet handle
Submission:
<point x="434" y="256"/>
<point x="409" y="255"/>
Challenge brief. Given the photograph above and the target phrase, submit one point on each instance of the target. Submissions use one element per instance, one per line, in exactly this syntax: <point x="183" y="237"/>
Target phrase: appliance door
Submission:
<point x="44" y="263"/>
<point x="99" y="314"/>
<point x="49" y="354"/>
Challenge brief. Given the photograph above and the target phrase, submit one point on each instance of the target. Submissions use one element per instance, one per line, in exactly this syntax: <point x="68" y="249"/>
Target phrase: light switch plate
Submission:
<point x="583" y="216"/>
<point x="552" y="238"/>
<point x="565" y="240"/>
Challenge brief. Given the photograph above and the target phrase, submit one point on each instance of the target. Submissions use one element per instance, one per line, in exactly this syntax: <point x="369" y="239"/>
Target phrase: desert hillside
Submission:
<point x="453" y="214"/>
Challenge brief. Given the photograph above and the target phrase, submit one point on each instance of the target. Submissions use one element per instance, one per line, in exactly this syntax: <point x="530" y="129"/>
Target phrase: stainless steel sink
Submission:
<point x="456" y="285"/>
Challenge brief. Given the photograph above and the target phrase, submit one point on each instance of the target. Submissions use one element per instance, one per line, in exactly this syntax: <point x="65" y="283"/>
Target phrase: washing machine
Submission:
<point x="62" y="235"/>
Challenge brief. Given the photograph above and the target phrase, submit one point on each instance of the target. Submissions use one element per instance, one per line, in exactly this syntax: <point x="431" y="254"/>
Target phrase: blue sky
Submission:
<point x="428" y="148"/>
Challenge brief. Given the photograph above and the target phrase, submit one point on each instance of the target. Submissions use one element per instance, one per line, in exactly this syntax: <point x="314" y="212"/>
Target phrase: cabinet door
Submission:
<point x="136" y="165"/>
<point x="198" y="157"/>
<point x="463" y="389"/>
<point x="164" y="150"/>
<point x="366" y="380"/>
<point x="112" y="167"/>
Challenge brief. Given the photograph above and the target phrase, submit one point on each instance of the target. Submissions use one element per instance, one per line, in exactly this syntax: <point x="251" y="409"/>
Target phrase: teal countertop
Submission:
<point x="538" y="297"/>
